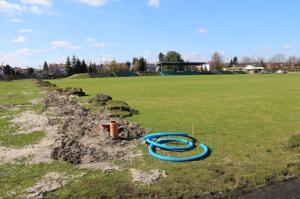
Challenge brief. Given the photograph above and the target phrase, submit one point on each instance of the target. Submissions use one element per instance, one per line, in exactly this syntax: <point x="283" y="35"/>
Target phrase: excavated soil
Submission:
<point x="73" y="135"/>
<point x="80" y="140"/>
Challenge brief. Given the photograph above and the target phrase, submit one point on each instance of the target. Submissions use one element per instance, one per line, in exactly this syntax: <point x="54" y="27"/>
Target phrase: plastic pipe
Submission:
<point x="160" y="144"/>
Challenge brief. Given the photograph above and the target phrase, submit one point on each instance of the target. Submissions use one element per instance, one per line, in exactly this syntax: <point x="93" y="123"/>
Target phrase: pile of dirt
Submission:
<point x="80" y="140"/>
<point x="100" y="99"/>
<point x="69" y="90"/>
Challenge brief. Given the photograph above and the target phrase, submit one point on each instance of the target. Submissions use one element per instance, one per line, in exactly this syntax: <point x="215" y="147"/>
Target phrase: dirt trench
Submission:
<point x="80" y="140"/>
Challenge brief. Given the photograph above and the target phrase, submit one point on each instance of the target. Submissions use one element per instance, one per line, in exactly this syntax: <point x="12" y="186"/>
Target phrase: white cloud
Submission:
<point x="154" y="3"/>
<point x="93" y="42"/>
<point x="64" y="44"/>
<point x="19" y="39"/>
<point x="25" y="30"/>
<point x="202" y="30"/>
<point x="266" y="49"/>
<point x="287" y="47"/>
<point x="17" y="57"/>
<point x="11" y="8"/>
<point x="15" y="20"/>
<point x="94" y="2"/>
<point x="37" y="2"/>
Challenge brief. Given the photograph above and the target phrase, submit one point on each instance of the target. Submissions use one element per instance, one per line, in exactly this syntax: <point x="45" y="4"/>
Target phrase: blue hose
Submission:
<point x="160" y="144"/>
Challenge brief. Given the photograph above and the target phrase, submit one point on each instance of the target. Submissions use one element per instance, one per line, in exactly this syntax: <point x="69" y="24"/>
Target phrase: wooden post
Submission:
<point x="193" y="130"/>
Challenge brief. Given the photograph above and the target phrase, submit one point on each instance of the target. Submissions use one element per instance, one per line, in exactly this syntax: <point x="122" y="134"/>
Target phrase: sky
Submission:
<point x="33" y="31"/>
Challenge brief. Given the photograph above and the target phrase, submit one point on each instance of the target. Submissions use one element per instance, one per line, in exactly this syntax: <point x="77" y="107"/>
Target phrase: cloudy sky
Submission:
<point x="36" y="30"/>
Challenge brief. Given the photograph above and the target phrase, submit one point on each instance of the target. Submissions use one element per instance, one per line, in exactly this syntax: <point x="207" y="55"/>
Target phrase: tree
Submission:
<point x="73" y="63"/>
<point x="46" y="67"/>
<point x="83" y="66"/>
<point x="247" y="60"/>
<point x="139" y="64"/>
<point x="142" y="63"/>
<point x="69" y="66"/>
<point x="161" y="57"/>
<point x="278" y="58"/>
<point x="8" y="72"/>
<point x="173" y="56"/>
<point x="77" y="67"/>
<point x="92" y="68"/>
<point x="30" y="72"/>
<point x="217" y="61"/>
<point x="235" y="61"/>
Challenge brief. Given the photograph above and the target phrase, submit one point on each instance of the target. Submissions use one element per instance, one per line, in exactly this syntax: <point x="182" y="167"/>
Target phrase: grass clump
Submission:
<point x="118" y="108"/>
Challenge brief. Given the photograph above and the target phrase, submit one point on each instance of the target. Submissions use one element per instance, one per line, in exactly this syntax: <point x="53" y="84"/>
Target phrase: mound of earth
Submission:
<point x="80" y="140"/>
<point x="100" y="99"/>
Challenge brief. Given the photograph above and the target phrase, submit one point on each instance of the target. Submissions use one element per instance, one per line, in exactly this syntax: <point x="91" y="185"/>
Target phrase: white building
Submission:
<point x="253" y="69"/>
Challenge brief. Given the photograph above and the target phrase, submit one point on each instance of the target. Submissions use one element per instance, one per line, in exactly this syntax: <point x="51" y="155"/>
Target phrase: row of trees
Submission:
<point x="75" y="66"/>
<point x="13" y="73"/>
<point x="278" y="61"/>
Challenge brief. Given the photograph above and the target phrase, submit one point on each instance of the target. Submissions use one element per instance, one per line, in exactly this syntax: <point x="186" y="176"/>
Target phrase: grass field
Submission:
<point x="244" y="119"/>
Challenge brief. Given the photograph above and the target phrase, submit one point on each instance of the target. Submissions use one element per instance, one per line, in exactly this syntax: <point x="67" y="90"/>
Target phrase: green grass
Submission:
<point x="244" y="119"/>
<point x="79" y="76"/>
<point x="17" y="93"/>
<point x="21" y="140"/>
<point x="15" y="178"/>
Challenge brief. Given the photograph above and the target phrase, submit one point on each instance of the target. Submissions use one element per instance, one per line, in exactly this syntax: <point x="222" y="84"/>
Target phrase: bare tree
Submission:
<point x="247" y="60"/>
<point x="217" y="61"/>
<point x="278" y="58"/>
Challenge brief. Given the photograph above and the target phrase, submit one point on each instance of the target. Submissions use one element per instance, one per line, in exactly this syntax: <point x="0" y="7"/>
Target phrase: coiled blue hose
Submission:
<point x="160" y="144"/>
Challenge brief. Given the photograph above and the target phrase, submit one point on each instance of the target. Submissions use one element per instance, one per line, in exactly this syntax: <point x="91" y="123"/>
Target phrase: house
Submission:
<point x="253" y="69"/>
<point x="151" y="68"/>
<point x="21" y="71"/>
<point x="57" y="70"/>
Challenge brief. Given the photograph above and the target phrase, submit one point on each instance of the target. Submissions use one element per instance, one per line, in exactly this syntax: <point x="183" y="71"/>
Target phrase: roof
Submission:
<point x="182" y="63"/>
<point x="57" y="65"/>
<point x="251" y="67"/>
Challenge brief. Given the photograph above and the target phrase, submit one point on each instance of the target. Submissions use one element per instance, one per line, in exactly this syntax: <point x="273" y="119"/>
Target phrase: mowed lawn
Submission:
<point x="244" y="119"/>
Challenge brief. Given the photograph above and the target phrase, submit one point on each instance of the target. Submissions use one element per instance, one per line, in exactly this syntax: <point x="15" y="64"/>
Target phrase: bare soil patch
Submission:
<point x="50" y="182"/>
<point x="29" y="122"/>
<point x="146" y="178"/>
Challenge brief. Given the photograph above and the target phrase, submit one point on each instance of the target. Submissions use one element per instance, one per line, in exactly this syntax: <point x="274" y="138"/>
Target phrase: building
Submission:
<point x="254" y="69"/>
<point x="57" y="70"/>
<point x="1" y="70"/>
<point x="151" y="68"/>
<point x="183" y="66"/>
<point x="21" y="71"/>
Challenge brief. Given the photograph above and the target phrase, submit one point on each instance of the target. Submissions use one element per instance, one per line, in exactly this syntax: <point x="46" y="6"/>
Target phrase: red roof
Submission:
<point x="57" y="65"/>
